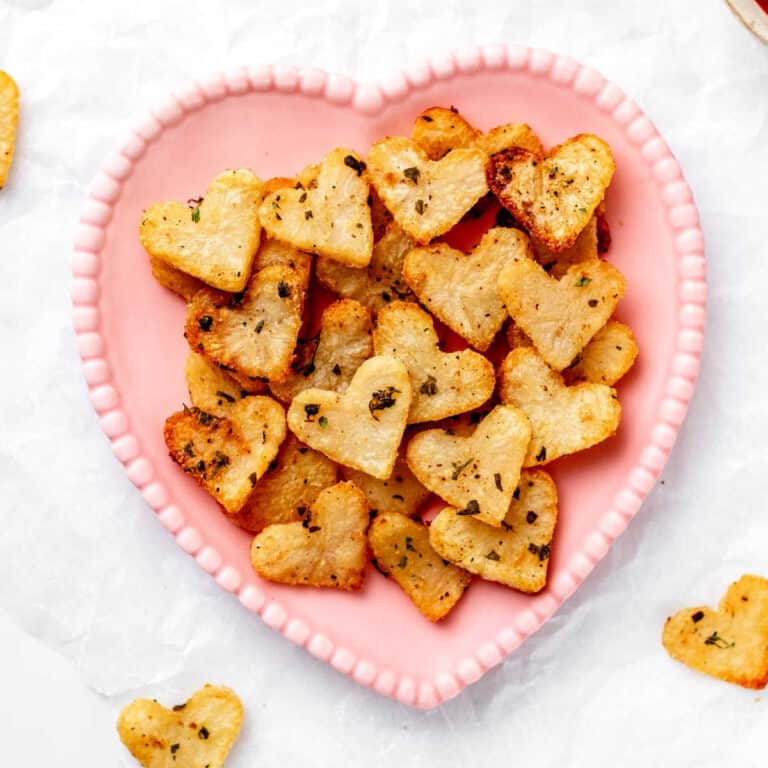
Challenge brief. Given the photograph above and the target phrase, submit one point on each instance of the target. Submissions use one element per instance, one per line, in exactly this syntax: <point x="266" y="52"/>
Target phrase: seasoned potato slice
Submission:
<point x="326" y="549"/>
<point x="227" y="455"/>
<point x="426" y="197"/>
<point x="560" y="316"/>
<point x="584" y="249"/>
<point x="381" y="281"/>
<point x="327" y="215"/>
<point x="215" y="240"/>
<point x="517" y="554"/>
<point x="9" y="117"/>
<point x="553" y="195"/>
<point x="174" y="279"/>
<point x="479" y="473"/>
<point x="277" y="253"/>
<point x="211" y="389"/>
<point x="254" y="334"/>
<point x="444" y="383"/>
<point x="199" y="732"/>
<point x="730" y="643"/>
<point x="330" y="359"/>
<point x="507" y="136"/>
<point x="402" y="549"/>
<point x="402" y="493"/>
<point x="362" y="427"/>
<point x="288" y="488"/>
<point x="461" y="289"/>
<point x="563" y="419"/>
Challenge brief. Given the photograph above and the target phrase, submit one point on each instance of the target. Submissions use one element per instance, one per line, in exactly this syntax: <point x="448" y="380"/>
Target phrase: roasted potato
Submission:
<point x="9" y="118"/>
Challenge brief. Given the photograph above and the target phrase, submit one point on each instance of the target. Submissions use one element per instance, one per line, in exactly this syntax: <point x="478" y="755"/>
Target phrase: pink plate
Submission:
<point x="275" y="121"/>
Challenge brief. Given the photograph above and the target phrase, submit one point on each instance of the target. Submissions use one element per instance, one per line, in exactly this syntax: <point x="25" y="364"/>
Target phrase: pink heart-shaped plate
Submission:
<point x="276" y="120"/>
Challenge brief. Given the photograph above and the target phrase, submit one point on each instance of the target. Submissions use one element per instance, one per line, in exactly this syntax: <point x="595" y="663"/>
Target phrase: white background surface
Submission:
<point x="98" y="605"/>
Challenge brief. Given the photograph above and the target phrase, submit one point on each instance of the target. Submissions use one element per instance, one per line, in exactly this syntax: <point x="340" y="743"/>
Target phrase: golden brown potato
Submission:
<point x="730" y="643"/>
<point x="479" y="473"/>
<point x="277" y="253"/>
<point x="563" y="419"/>
<point x="517" y="554"/>
<point x="326" y="549"/>
<point x="9" y="118"/>
<point x="554" y="195"/>
<point x="507" y="136"/>
<point x="216" y="239"/>
<point x="198" y="733"/>
<point x="402" y="549"/>
<point x="227" y="455"/>
<point x="584" y="249"/>
<point x="211" y="389"/>
<point x="362" y="427"/>
<point x="174" y="279"/>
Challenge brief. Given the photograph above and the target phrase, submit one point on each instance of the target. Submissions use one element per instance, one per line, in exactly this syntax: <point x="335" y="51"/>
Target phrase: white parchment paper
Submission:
<point x="84" y="566"/>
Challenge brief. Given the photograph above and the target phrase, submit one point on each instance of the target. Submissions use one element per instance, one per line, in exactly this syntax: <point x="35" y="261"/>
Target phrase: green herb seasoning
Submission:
<point x="203" y="733"/>
<point x="472" y="508"/>
<point x="497" y="480"/>
<point x="531" y="517"/>
<point x="283" y="290"/>
<point x="409" y="544"/>
<point x="419" y="206"/>
<point x="429" y="387"/>
<point x="381" y="399"/>
<point x="493" y="555"/>
<point x="697" y="617"/>
<point x="582" y="281"/>
<point x="196" y="214"/>
<point x="323" y="421"/>
<point x="260" y="326"/>
<point x="459" y="468"/>
<point x="225" y="396"/>
<point x="412" y="174"/>
<point x="542" y="454"/>
<point x="356" y="165"/>
<point x="311" y="409"/>
<point x="718" y="641"/>
<point x="205" y="323"/>
<point x="403" y="562"/>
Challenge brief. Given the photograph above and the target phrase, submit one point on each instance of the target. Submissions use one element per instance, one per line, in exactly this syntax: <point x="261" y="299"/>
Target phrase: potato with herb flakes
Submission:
<point x="563" y="419"/>
<point x="730" y="643"/>
<point x="426" y="197"/>
<point x="277" y="253"/>
<point x="381" y="281"/>
<point x="517" y="554"/>
<point x="362" y="427"/>
<point x="507" y="136"/>
<point x="478" y="473"/>
<point x="197" y="734"/>
<point x="461" y="289"/>
<point x="211" y="389"/>
<point x="330" y="359"/>
<point x="402" y="550"/>
<point x="444" y="383"/>
<point x="216" y="239"/>
<point x="9" y="118"/>
<point x="328" y="213"/>
<point x="255" y="333"/>
<point x="584" y="249"/>
<point x="326" y="549"/>
<point x="227" y="455"/>
<point x="560" y="316"/>
<point x="401" y="493"/>
<point x="554" y="195"/>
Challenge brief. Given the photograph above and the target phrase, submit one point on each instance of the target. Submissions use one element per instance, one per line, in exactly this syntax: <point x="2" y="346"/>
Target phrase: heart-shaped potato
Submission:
<point x="402" y="550"/>
<point x="584" y="249"/>
<point x="9" y="118"/>
<point x="274" y="253"/>
<point x="381" y="281"/>
<point x="426" y="197"/>
<point x="560" y="316"/>
<point x="328" y="213"/>
<point x="174" y="279"/>
<point x="329" y="359"/>
<point x="215" y="240"/>
<point x="461" y="289"/>
<point x="288" y="488"/>
<point x="211" y="389"/>
<point x="730" y="643"/>
<point x="518" y="554"/>
<point x="553" y="195"/>
<point x="197" y="734"/>
<point x="227" y="455"/>
<point x="563" y="419"/>
<point x="326" y="549"/>
<point x="401" y="493"/>
<point x="444" y="383"/>
<point x="479" y="473"/>
<point x="362" y="427"/>
<point x="255" y="333"/>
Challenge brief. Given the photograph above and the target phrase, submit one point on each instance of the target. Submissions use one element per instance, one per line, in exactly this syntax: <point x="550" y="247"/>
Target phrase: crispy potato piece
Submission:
<point x="584" y="249"/>
<point x="330" y="359"/>
<point x="402" y="549"/>
<point x="560" y="316"/>
<point x="174" y="279"/>
<point x="553" y="195"/>
<point x="517" y="554"/>
<point x="326" y="549"/>
<point x="381" y="218"/>
<point x="278" y="182"/>
<point x="327" y="215"/>
<point x="478" y="474"/>
<point x="211" y="389"/>
<point x="438" y="130"/>
<point x="199" y="732"/>
<point x="563" y="419"/>
<point x="227" y="455"/>
<point x="255" y="334"/>
<point x="444" y="383"/>
<point x="603" y="229"/>
<point x="216" y="240"/>
<point x="426" y="197"/>
<point x="402" y="493"/>
<point x="277" y="253"/>
<point x="381" y="281"/>
<point x="362" y="427"/>
<point x="9" y="118"/>
<point x="288" y="488"/>
<point x="507" y="136"/>
<point x="730" y="643"/>
<point x="461" y="289"/>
